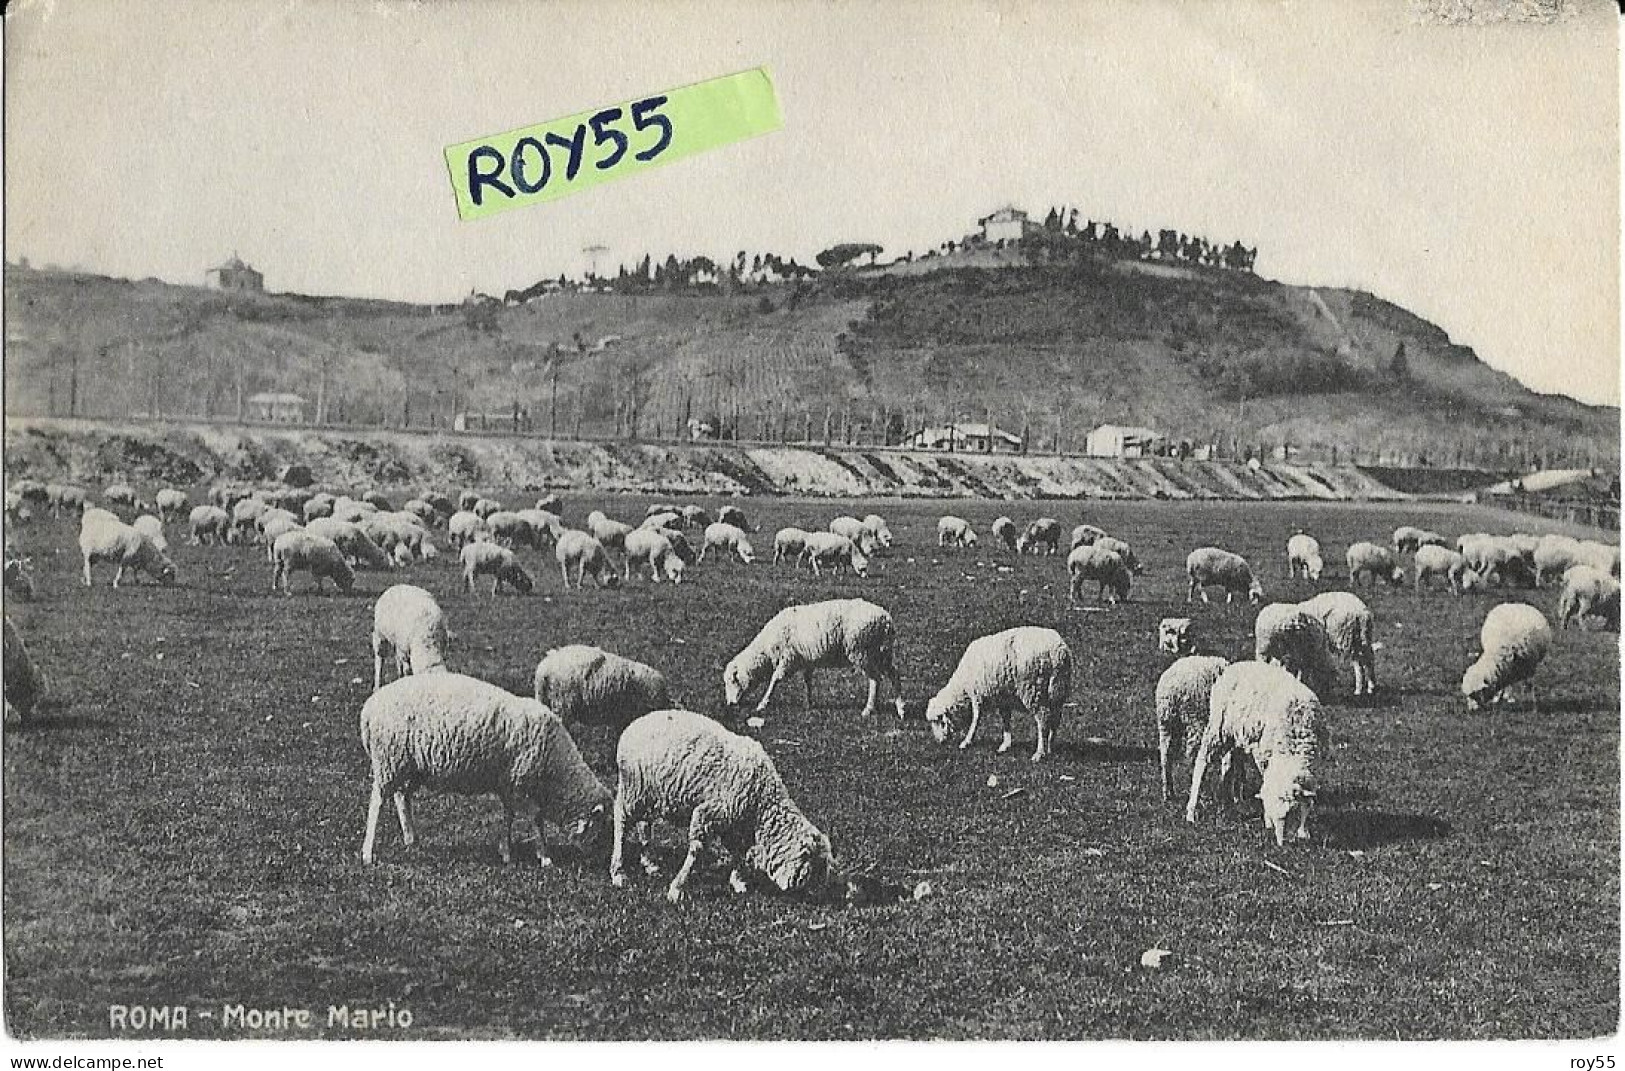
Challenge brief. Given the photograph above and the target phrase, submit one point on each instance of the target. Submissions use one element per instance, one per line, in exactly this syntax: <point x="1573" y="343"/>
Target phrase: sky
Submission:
<point x="1469" y="172"/>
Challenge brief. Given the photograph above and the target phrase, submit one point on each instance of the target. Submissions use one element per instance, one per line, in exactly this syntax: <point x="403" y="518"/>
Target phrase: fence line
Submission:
<point x="1574" y="511"/>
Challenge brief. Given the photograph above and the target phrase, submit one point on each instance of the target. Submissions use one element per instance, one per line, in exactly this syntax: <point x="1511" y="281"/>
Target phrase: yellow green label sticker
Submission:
<point x="555" y="159"/>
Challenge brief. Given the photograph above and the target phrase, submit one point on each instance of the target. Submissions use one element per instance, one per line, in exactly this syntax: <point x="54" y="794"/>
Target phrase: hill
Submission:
<point x="1048" y="350"/>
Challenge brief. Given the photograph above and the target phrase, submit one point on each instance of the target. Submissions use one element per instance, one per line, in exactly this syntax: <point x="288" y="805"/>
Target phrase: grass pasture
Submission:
<point x="184" y="827"/>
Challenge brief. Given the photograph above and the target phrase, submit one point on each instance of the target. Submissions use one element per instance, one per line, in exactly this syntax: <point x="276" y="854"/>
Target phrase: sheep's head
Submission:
<point x="1022" y="543"/>
<point x="860" y="562"/>
<point x="939" y="717"/>
<point x="1470" y="580"/>
<point x="593" y="828"/>
<point x="674" y="569"/>
<point x="1397" y="576"/>
<point x="1288" y="800"/>
<point x="1255" y="593"/>
<point x="1477" y="685"/>
<point x="970" y="538"/>
<point x="739" y="678"/>
<point x="801" y="866"/>
<point x="746" y="552"/>
<point x="1174" y="636"/>
<point x="1314" y="567"/>
<point x="163" y="568"/>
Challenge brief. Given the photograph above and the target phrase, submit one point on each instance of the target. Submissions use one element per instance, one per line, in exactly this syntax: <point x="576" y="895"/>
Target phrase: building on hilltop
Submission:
<point x="974" y="438"/>
<point x="277" y="408"/>
<point x="235" y="275"/>
<point x="1007" y="224"/>
<point x="1117" y="440"/>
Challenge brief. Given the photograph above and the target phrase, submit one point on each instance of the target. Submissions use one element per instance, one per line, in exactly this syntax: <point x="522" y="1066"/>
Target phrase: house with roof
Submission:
<point x="1008" y="224"/>
<point x="973" y="438"/>
<point x="235" y="275"/>
<point x="277" y="408"/>
<point x="1121" y="440"/>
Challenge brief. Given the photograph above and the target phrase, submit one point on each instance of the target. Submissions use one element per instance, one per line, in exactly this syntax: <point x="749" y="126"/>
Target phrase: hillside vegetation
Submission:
<point x="1049" y="351"/>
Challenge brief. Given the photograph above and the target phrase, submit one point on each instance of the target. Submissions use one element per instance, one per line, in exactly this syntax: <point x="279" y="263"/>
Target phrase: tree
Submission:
<point x="838" y="256"/>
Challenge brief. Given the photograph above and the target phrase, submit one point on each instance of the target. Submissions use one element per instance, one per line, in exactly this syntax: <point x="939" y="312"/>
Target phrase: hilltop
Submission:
<point x="1049" y="350"/>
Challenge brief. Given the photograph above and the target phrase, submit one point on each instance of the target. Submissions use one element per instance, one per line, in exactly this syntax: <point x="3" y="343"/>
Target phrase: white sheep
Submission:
<point x="463" y="528"/>
<point x="727" y="538"/>
<point x="877" y="524"/>
<point x="171" y="503"/>
<point x="1295" y="639"/>
<point x="274" y="529"/>
<point x="587" y="555"/>
<point x="652" y="547"/>
<point x="1553" y="556"/>
<point x="1408" y="538"/>
<point x="589" y="685"/>
<point x="687" y="769"/>
<point x="834" y="552"/>
<point x="1273" y="718"/>
<point x="208" y="524"/>
<point x="1210" y="566"/>
<point x="695" y="517"/>
<point x="1366" y="559"/>
<point x="612" y="534"/>
<point x="105" y="538"/>
<point x="484" y="507"/>
<point x="467" y="500"/>
<point x="1515" y="639"/>
<point x="361" y="551"/>
<point x="1042" y="536"/>
<point x="498" y="563"/>
<point x="449" y="732"/>
<point x="955" y="531"/>
<point x="70" y="497"/>
<point x="859" y="533"/>
<point x="423" y="510"/>
<point x="1182" y="696"/>
<point x="665" y="519"/>
<point x="1025" y="666"/>
<point x="25" y="682"/>
<point x="1105" y="567"/>
<point x="1004" y="531"/>
<point x="1603" y="557"/>
<point x="153" y="528"/>
<point x="820" y="635"/>
<point x="1303" y="553"/>
<point x="304" y="550"/>
<point x="1497" y="559"/>
<point x="1176" y="636"/>
<point x="512" y="530"/>
<point x="545" y="526"/>
<point x="1085" y="535"/>
<point x="1433" y="560"/>
<point x="408" y="621"/>
<point x="735" y="516"/>
<point x="551" y="504"/>
<point x="789" y="543"/>
<point x="317" y="505"/>
<point x="122" y="494"/>
<point x="1122" y="550"/>
<point x="1351" y="630"/>
<point x="244" y="513"/>
<point x="1588" y="592"/>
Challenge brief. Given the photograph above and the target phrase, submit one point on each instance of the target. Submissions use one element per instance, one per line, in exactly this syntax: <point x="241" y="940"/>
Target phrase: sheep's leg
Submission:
<point x="87" y="570"/>
<point x="1190" y="593"/>
<point x="874" y="697"/>
<point x="375" y="803"/>
<point x="377" y="659"/>
<point x="617" y="855"/>
<point x="779" y="672"/>
<point x="1005" y="739"/>
<point x="403" y="811"/>
<point x="699" y="827"/>
<point x="806" y="676"/>
<point x="1044" y="720"/>
<point x="564" y="573"/>
<point x="1204" y="754"/>
<point x="1165" y="756"/>
<point x="531" y="812"/>
<point x="505" y="839"/>
<point x="118" y="574"/>
<point x="975" y="719"/>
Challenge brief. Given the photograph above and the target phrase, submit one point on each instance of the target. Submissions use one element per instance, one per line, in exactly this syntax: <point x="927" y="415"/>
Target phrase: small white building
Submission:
<point x="277" y="408"/>
<point x="1007" y="224"/>
<point x="974" y="438"/>
<point x="1120" y="440"/>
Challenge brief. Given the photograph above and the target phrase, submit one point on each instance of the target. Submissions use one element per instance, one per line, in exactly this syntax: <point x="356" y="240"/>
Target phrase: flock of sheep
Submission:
<point x="437" y="729"/>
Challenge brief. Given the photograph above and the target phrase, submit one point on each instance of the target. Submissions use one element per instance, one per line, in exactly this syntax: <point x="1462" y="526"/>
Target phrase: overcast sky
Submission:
<point x="1469" y="173"/>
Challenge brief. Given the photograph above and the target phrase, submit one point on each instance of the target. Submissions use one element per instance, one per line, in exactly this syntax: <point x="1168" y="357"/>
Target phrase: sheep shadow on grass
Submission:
<point x="1095" y="750"/>
<point x="1356" y="828"/>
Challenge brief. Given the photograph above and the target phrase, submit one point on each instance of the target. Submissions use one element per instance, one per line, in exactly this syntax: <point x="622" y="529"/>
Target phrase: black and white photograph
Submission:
<point x="1086" y="521"/>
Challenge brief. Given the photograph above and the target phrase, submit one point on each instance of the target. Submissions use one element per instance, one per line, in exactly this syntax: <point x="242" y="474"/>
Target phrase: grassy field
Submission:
<point x="184" y="829"/>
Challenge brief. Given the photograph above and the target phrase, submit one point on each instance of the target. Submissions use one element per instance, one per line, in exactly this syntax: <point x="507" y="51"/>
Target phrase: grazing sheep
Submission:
<point x="1105" y="567"/>
<point x="828" y="550"/>
<point x="227" y="495"/>
<point x="315" y="554"/>
<point x="467" y="500"/>
<point x="1351" y="629"/>
<point x="652" y="547"/>
<point x="1042" y="535"/>
<point x="735" y="516"/>
<point x="551" y="504"/>
<point x="1085" y="535"/>
<point x="1433" y="560"/>
<point x="857" y="532"/>
<point x="789" y="543"/>
<point x="1210" y="566"/>
<point x="820" y="635"/>
<point x="589" y="558"/>
<point x="152" y="528"/>
<point x="70" y="497"/>
<point x="1004" y="531"/>
<point x="589" y="685"/>
<point x="511" y="530"/>
<point x="695" y="517"/>
<point x="408" y="621"/>
<point x="103" y="538"/>
<point x="484" y="507"/>
<point x="172" y="504"/>
<point x="318" y="505"/>
<point x="686" y="768"/>
<point x="208" y="524"/>
<point x="661" y="507"/>
<point x="443" y="506"/>
<point x="1267" y="714"/>
<point x="119" y="494"/>
<point x="244" y="519"/>
<point x="1604" y="557"/>
<point x="1553" y="556"/>
<point x="378" y="501"/>
<point x="352" y="510"/>
<point x="955" y="531"/>
<point x="1026" y="666"/>
<point x="499" y="563"/>
<point x="362" y="552"/>
<point x="1122" y="550"/>
<point x="612" y="534"/>
<point x="25" y="683"/>
<point x="464" y="528"/>
<point x="1515" y="639"/>
<point x="398" y="535"/>
<point x="877" y="524"/>
<point x="727" y="537"/>
<point x="1176" y="636"/>
<point x="1183" y="693"/>
<point x="1408" y="539"/>
<point x="425" y="512"/>
<point x="1303" y="553"/>
<point x="1365" y="559"/>
<point x="1295" y="639"/>
<point x="667" y="519"/>
<point x="545" y="526"/>
<point x="1588" y="592"/>
<point x="452" y="733"/>
<point x="1498" y="560"/>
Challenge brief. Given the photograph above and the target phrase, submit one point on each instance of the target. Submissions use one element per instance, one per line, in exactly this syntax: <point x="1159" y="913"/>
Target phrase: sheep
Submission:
<point x="25" y="682"/>
<point x="467" y="500"/>
<point x="1025" y="665"/>
<point x="877" y="524"/>
<point x="208" y="524"/>
<point x="244" y="514"/>
<point x="612" y="534"/>
<point x="1604" y="557"/>
<point x="652" y="547"/>
<point x="408" y="621"/>
<point x="1004" y="531"/>
<point x="686" y="768"/>
<point x="666" y="519"/>
<point x="789" y="543"/>
<point x="1273" y="718"/>
<point x="512" y="530"/>
<point x="1085" y="535"/>
<point x="152" y="528"/>
<point x="955" y="531"/>
<point x="550" y="503"/>
<point x="227" y="495"/>
<point x="1042" y="535"/>
<point x="362" y="552"/>
<point x="316" y="554"/>
<point x="588" y="685"/>
<point x="317" y="505"/>
<point x="820" y="635"/>
<point x="122" y="494"/>
<point x="1207" y="566"/>
<point x="661" y="507"/>
<point x="1515" y="639"/>
<point x="589" y="558"/>
<point x="424" y="511"/>
<point x="1176" y="636"/>
<point x="1303" y="552"/>
<point x="545" y="526"/>
<point x="397" y="534"/>
<point x="67" y="496"/>
<point x="292" y="499"/>
<point x="499" y="563"/>
<point x="351" y="510"/>
<point x="834" y="552"/>
<point x="484" y="507"/>
<point x="1182" y="697"/>
<point x="1366" y="559"/>
<point x="1495" y="558"/>
<point x="1433" y="560"/>
<point x="1105" y="567"/>
<point x="859" y="533"/>
<point x="377" y="500"/>
<point x="1351" y="630"/>
<point x="464" y="528"/>
<point x="170" y="503"/>
<point x="695" y="517"/>
<point x="1122" y="550"/>
<point x="1410" y="539"/>
<point x="725" y="537"/>
<point x="1588" y="592"/>
<point x="450" y="732"/>
<point x="735" y="516"/>
<point x="1553" y="556"/>
<point x="1295" y="639"/>
<point x="103" y="537"/>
